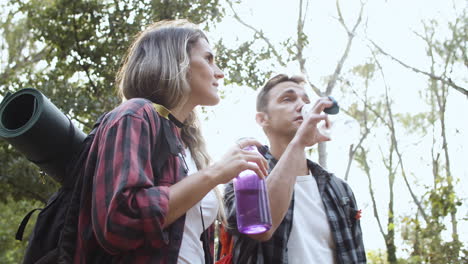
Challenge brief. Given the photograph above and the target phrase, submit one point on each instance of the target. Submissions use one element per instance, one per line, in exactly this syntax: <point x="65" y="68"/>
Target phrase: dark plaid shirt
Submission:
<point x="346" y="229"/>
<point x="122" y="221"/>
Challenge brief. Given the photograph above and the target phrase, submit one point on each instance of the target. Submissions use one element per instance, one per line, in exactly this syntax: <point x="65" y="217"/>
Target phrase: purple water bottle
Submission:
<point x="253" y="207"/>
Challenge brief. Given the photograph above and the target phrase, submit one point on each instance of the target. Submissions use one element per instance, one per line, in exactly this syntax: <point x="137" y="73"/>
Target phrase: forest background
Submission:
<point x="398" y="68"/>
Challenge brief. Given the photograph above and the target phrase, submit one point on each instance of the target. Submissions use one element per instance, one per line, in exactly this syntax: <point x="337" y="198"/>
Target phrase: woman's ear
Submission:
<point x="262" y="119"/>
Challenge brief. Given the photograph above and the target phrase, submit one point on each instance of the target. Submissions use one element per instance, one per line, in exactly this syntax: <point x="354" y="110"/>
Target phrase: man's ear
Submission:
<point x="262" y="119"/>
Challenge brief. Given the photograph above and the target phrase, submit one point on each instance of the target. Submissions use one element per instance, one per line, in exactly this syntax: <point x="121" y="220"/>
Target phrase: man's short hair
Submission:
<point x="262" y="97"/>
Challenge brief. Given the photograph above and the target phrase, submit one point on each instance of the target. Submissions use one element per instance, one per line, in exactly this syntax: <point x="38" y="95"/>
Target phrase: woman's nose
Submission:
<point x="218" y="73"/>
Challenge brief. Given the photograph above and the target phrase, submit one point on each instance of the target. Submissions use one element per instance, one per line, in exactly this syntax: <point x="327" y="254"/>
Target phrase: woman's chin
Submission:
<point x="211" y="101"/>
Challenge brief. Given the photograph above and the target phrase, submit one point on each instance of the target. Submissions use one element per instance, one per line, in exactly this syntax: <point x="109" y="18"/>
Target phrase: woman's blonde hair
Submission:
<point x="156" y="66"/>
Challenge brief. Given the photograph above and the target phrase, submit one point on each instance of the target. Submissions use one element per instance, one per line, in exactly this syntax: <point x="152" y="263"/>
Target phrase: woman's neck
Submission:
<point x="181" y="112"/>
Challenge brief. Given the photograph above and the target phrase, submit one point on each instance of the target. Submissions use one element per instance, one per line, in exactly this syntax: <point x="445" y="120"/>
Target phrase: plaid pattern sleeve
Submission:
<point x="127" y="209"/>
<point x="250" y="251"/>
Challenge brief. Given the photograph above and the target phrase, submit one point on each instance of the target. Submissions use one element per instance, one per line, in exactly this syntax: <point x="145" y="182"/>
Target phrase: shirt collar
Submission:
<point x="166" y="113"/>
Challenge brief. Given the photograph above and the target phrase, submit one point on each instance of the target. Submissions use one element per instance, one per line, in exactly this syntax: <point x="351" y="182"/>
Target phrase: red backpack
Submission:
<point x="225" y="246"/>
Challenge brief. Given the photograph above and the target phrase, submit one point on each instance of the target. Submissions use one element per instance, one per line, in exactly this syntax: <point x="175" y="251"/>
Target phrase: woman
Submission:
<point x="141" y="211"/>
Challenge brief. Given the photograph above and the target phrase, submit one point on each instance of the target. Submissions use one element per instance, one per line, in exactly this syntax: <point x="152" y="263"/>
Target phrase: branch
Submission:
<point x="371" y="191"/>
<point x="367" y="106"/>
<point x="259" y="33"/>
<point x="300" y="39"/>
<point x="351" y="34"/>
<point x="300" y="47"/>
<point x="352" y="151"/>
<point x="391" y="126"/>
<point x="314" y="87"/>
<point x="447" y="81"/>
<point x="442" y="102"/>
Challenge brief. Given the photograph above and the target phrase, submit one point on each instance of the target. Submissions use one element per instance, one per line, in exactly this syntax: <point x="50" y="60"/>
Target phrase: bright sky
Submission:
<point x="391" y="24"/>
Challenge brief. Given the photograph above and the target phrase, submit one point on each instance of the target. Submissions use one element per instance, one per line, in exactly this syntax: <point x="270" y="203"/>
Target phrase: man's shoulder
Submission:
<point x="318" y="170"/>
<point x="342" y="182"/>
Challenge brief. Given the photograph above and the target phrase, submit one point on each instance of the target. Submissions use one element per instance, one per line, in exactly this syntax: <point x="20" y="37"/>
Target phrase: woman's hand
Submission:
<point x="237" y="160"/>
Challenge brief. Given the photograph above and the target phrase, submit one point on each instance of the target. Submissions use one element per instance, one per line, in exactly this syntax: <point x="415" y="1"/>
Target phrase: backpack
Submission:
<point x="54" y="234"/>
<point x="225" y="246"/>
<point x="53" y="239"/>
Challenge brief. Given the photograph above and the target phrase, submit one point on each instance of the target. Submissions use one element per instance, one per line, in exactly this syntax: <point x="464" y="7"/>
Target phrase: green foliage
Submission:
<point x="376" y="257"/>
<point x="12" y="250"/>
<point x="20" y="179"/>
<point x="443" y="200"/>
<point x="240" y="64"/>
<point x="426" y="240"/>
<point x="414" y="123"/>
<point x="365" y="71"/>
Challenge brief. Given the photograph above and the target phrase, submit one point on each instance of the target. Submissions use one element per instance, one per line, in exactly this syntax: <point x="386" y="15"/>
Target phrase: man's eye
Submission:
<point x="286" y="99"/>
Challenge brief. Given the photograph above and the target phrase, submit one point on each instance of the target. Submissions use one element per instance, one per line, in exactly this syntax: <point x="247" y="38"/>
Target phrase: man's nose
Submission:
<point x="300" y="105"/>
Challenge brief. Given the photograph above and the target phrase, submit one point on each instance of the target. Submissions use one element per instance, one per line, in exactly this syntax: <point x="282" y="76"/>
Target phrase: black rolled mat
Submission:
<point x="34" y="126"/>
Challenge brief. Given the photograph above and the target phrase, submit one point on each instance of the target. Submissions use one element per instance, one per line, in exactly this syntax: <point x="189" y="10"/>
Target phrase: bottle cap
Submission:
<point x="334" y="109"/>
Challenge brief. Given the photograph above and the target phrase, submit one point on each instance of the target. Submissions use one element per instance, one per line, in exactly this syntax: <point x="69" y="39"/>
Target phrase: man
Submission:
<point x="314" y="214"/>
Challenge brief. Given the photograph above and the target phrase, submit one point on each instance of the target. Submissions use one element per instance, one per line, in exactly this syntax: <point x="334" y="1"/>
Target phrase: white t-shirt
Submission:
<point x="191" y="249"/>
<point x="311" y="239"/>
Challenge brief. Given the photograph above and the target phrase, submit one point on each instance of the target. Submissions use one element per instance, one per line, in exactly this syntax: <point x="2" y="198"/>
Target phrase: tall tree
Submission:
<point x="443" y="202"/>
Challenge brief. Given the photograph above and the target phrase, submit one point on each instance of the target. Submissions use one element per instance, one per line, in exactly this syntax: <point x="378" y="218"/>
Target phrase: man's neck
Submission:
<point x="278" y="146"/>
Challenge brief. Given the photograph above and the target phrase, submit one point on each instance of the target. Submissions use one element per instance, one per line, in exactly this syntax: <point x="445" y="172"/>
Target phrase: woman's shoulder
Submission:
<point x="134" y="107"/>
<point x="139" y="108"/>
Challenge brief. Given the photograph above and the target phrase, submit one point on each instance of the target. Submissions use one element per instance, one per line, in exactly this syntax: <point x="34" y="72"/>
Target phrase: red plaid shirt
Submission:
<point x="122" y="220"/>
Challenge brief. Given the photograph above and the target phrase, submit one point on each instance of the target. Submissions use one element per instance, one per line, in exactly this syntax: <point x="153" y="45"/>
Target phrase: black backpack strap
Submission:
<point x="338" y="188"/>
<point x="24" y="223"/>
<point x="344" y="200"/>
<point x="205" y="241"/>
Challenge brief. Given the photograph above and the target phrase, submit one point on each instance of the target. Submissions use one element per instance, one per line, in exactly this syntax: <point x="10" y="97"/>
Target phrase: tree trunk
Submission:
<point x="322" y="150"/>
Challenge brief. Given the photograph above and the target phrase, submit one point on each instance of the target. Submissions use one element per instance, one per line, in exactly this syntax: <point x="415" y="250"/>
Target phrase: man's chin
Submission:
<point x="294" y="127"/>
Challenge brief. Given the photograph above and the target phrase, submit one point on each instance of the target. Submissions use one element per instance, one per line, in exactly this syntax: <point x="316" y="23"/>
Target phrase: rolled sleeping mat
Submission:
<point x="34" y="126"/>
